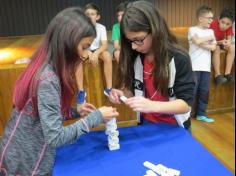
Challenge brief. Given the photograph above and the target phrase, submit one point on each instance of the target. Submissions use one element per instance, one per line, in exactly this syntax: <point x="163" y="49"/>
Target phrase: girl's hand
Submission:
<point x="226" y="44"/>
<point x="85" y="108"/>
<point x="114" y="96"/>
<point x="93" y="59"/>
<point x="140" y="104"/>
<point x="108" y="113"/>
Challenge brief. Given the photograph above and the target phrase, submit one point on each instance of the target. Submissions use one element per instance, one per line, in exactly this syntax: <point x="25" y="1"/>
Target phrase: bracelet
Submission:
<point x="81" y="97"/>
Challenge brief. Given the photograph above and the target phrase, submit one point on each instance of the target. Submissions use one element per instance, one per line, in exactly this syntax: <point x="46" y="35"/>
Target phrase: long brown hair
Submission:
<point x="143" y="16"/>
<point x="59" y="49"/>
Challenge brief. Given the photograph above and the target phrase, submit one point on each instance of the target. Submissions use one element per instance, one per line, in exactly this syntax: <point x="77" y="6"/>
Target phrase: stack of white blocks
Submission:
<point x="159" y="170"/>
<point x="113" y="134"/>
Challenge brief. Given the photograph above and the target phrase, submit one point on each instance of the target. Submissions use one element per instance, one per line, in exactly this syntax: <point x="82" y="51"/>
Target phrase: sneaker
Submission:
<point x="81" y="97"/>
<point x="230" y="78"/>
<point x="220" y="80"/>
<point x="107" y="91"/>
<point x="205" y="119"/>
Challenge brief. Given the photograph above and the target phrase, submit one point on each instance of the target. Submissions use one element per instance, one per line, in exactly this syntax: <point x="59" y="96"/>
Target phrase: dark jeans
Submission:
<point x="201" y="91"/>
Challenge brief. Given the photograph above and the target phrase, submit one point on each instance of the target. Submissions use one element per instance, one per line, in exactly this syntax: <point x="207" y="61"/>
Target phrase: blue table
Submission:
<point x="169" y="145"/>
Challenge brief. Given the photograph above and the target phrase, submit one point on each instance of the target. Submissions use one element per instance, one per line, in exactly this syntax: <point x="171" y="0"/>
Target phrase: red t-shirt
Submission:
<point x="152" y="94"/>
<point x="220" y="35"/>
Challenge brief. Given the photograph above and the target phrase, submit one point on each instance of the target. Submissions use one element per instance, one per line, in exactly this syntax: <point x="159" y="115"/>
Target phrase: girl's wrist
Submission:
<point x="80" y="98"/>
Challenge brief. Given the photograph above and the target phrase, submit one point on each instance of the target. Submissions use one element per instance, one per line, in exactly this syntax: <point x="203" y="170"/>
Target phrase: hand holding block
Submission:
<point x="123" y="98"/>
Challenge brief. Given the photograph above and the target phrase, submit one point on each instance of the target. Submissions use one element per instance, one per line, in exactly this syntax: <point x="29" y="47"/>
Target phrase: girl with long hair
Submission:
<point x="154" y="68"/>
<point x="42" y="99"/>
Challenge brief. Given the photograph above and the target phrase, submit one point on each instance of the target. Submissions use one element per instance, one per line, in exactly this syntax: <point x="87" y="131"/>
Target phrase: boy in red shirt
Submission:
<point x="223" y="33"/>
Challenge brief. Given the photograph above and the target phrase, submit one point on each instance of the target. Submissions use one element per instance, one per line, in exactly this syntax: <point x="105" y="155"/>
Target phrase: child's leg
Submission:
<point x="216" y="60"/>
<point x="230" y="59"/>
<point x="79" y="76"/>
<point x="219" y="79"/>
<point x="80" y="99"/>
<point x="195" y="105"/>
<point x="203" y="93"/>
<point x="107" y="61"/>
<point x="117" y="55"/>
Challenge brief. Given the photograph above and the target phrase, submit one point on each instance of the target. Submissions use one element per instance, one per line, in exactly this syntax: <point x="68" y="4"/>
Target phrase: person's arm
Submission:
<point x="225" y="42"/>
<point x="103" y="45"/>
<point x="228" y="41"/>
<point x="102" y="48"/>
<point x="210" y="47"/>
<point x="95" y="55"/>
<point x="49" y="111"/>
<point x="207" y="42"/>
<point x="115" y="36"/>
<point x="184" y="84"/>
<point x="116" y="45"/>
<point x="144" y="105"/>
<point x="220" y="42"/>
<point x="202" y="40"/>
<point x="183" y="88"/>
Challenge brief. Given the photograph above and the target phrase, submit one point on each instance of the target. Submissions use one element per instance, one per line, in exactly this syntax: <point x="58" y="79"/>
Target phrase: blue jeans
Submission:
<point x="202" y="91"/>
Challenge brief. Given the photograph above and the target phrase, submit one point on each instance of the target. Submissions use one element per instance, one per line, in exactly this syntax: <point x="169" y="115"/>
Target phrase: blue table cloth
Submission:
<point x="164" y="144"/>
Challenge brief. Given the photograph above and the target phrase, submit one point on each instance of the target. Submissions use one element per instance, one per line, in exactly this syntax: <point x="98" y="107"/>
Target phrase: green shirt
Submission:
<point x="116" y="32"/>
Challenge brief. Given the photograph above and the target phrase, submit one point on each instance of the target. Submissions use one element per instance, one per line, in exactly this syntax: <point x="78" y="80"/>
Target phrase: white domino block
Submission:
<point x="173" y="172"/>
<point x="153" y="167"/>
<point x="123" y="98"/>
<point x="151" y="173"/>
<point x="114" y="147"/>
<point x="161" y="169"/>
<point x="111" y="131"/>
<point x="111" y="126"/>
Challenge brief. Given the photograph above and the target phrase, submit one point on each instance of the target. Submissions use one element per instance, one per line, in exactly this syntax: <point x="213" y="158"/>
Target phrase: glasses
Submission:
<point x="138" y="41"/>
<point x="209" y="18"/>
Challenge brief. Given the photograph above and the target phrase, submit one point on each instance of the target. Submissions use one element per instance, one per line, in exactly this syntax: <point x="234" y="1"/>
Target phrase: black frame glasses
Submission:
<point x="138" y="41"/>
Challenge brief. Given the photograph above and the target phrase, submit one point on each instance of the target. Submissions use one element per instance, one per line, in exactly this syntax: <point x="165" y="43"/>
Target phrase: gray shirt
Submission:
<point x="29" y="142"/>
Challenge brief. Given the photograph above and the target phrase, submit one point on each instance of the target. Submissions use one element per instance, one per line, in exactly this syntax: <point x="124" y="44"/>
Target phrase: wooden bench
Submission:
<point x="93" y="84"/>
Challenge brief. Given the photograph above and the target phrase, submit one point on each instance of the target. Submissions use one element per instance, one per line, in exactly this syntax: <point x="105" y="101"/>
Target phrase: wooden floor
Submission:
<point x="218" y="137"/>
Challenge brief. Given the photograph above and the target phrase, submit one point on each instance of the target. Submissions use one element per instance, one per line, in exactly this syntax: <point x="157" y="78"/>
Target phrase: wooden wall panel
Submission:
<point x="180" y="13"/>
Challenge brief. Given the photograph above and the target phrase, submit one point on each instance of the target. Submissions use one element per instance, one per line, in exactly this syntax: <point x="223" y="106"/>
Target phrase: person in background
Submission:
<point x="201" y="43"/>
<point x="42" y="99"/>
<point x="155" y="73"/>
<point x="98" y="50"/>
<point x="222" y="28"/>
<point x="120" y="9"/>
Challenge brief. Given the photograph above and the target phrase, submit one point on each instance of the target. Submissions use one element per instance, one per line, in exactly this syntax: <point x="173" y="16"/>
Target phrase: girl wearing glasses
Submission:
<point x="154" y="71"/>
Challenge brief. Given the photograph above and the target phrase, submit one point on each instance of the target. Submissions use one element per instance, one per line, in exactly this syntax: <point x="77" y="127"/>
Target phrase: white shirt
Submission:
<point x="200" y="57"/>
<point x="101" y="36"/>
